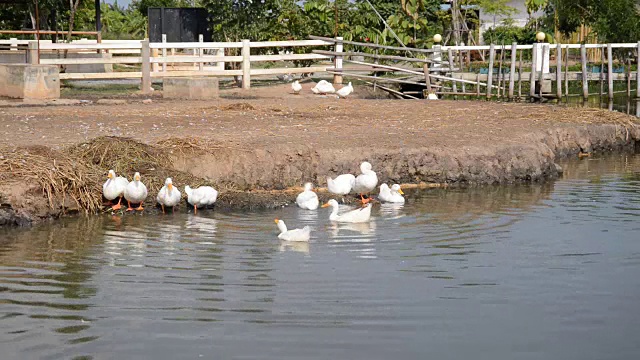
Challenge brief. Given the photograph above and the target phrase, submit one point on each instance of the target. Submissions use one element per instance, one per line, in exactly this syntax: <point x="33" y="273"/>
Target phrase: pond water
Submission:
<point x="546" y="271"/>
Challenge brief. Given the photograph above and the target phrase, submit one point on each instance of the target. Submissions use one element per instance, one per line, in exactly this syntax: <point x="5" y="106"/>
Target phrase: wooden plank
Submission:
<point x="179" y="73"/>
<point x="559" y="71"/>
<point x="195" y="59"/>
<point x="101" y="76"/>
<point x="512" y="69"/>
<point x="585" y="81"/>
<point x="102" y="46"/>
<point x="375" y="56"/>
<point x="380" y="79"/>
<point x="290" y="43"/>
<point x="301" y="70"/>
<point x="492" y="55"/>
<point x="610" y="71"/>
<point x="196" y="45"/>
<point x="115" y="60"/>
<point x="246" y="64"/>
<point x="47" y="32"/>
<point x="146" y="67"/>
<point x="164" y="52"/>
<point x="374" y="46"/>
<point x="394" y="92"/>
<point x="288" y="57"/>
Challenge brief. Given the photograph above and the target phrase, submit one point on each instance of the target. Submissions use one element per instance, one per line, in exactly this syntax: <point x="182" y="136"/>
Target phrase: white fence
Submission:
<point x="159" y="60"/>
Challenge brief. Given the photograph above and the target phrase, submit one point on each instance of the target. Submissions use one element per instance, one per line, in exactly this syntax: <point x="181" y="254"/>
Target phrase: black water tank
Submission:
<point x="179" y="24"/>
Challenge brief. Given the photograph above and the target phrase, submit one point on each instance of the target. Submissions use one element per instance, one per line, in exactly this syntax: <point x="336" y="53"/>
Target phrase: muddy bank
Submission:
<point x="259" y="152"/>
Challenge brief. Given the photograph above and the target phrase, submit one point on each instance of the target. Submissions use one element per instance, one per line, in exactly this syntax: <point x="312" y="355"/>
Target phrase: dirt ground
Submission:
<point x="268" y="117"/>
<point x="266" y="140"/>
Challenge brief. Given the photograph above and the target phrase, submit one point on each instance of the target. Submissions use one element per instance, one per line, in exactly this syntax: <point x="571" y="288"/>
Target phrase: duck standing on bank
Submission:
<point x="345" y="91"/>
<point x="341" y="185"/>
<point x="202" y="196"/>
<point x="323" y="87"/>
<point x="366" y="181"/>
<point x="303" y="234"/>
<point x="352" y="216"/>
<point x="114" y="188"/>
<point x="296" y="87"/>
<point x="169" y="195"/>
<point x="391" y="195"/>
<point x="308" y="199"/>
<point x="135" y="192"/>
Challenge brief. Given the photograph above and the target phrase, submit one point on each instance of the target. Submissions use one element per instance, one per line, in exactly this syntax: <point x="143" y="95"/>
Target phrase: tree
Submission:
<point x="612" y="20"/>
<point x="496" y="8"/>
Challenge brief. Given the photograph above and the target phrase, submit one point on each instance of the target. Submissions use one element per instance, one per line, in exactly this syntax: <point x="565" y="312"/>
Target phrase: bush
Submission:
<point x="508" y="34"/>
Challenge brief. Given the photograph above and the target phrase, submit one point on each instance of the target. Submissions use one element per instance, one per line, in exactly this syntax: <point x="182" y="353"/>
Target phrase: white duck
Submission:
<point x="114" y="188"/>
<point x="345" y="91"/>
<point x="392" y="195"/>
<point x="293" y="235"/>
<point x="135" y="192"/>
<point x="432" y="96"/>
<point x="169" y="195"/>
<point x="367" y="181"/>
<point x="341" y="185"/>
<point x="201" y="196"/>
<point x="352" y="216"/>
<point x="323" y="87"/>
<point x="296" y="87"/>
<point x="307" y="199"/>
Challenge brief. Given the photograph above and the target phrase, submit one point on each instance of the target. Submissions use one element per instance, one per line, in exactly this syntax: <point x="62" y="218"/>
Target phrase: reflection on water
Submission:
<point x="541" y="271"/>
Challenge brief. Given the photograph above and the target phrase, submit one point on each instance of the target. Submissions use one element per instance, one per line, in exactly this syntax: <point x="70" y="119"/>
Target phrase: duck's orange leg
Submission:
<point x="129" y="208"/>
<point x="140" y="208"/>
<point x="117" y="206"/>
<point x="195" y="209"/>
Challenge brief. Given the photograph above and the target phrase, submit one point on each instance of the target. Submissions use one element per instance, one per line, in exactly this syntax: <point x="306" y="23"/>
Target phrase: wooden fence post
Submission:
<point x="601" y="77"/>
<point x="200" y="52"/>
<point x="638" y="75"/>
<point x="337" y="78"/>
<point x="155" y="66"/>
<point x="145" y="53"/>
<point x="14" y="44"/>
<point x="451" y="66"/>
<point x="545" y="55"/>
<point x="610" y="71"/>
<point x="33" y="53"/>
<point x="427" y="79"/>
<point x="246" y="64"/>
<point x="164" y="52"/>
<point x="566" y="74"/>
<point x="512" y="70"/>
<point x="492" y="55"/>
<point x="559" y="71"/>
<point x="585" y="76"/>
<point x="532" y="77"/>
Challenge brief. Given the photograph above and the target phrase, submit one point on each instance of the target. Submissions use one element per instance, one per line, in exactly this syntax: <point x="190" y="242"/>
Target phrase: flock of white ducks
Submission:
<point x="342" y="185"/>
<point x="324" y="87"/>
<point x="135" y="192"/>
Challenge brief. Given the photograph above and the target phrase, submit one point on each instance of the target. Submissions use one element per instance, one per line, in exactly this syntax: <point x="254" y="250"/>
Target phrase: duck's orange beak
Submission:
<point x="400" y="192"/>
<point x="110" y="176"/>
<point x="276" y="221"/>
<point x="170" y="187"/>
<point x="325" y="205"/>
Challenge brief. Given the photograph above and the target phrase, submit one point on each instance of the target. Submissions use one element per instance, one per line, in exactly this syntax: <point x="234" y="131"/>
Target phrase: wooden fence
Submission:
<point x="441" y="69"/>
<point x="193" y="53"/>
